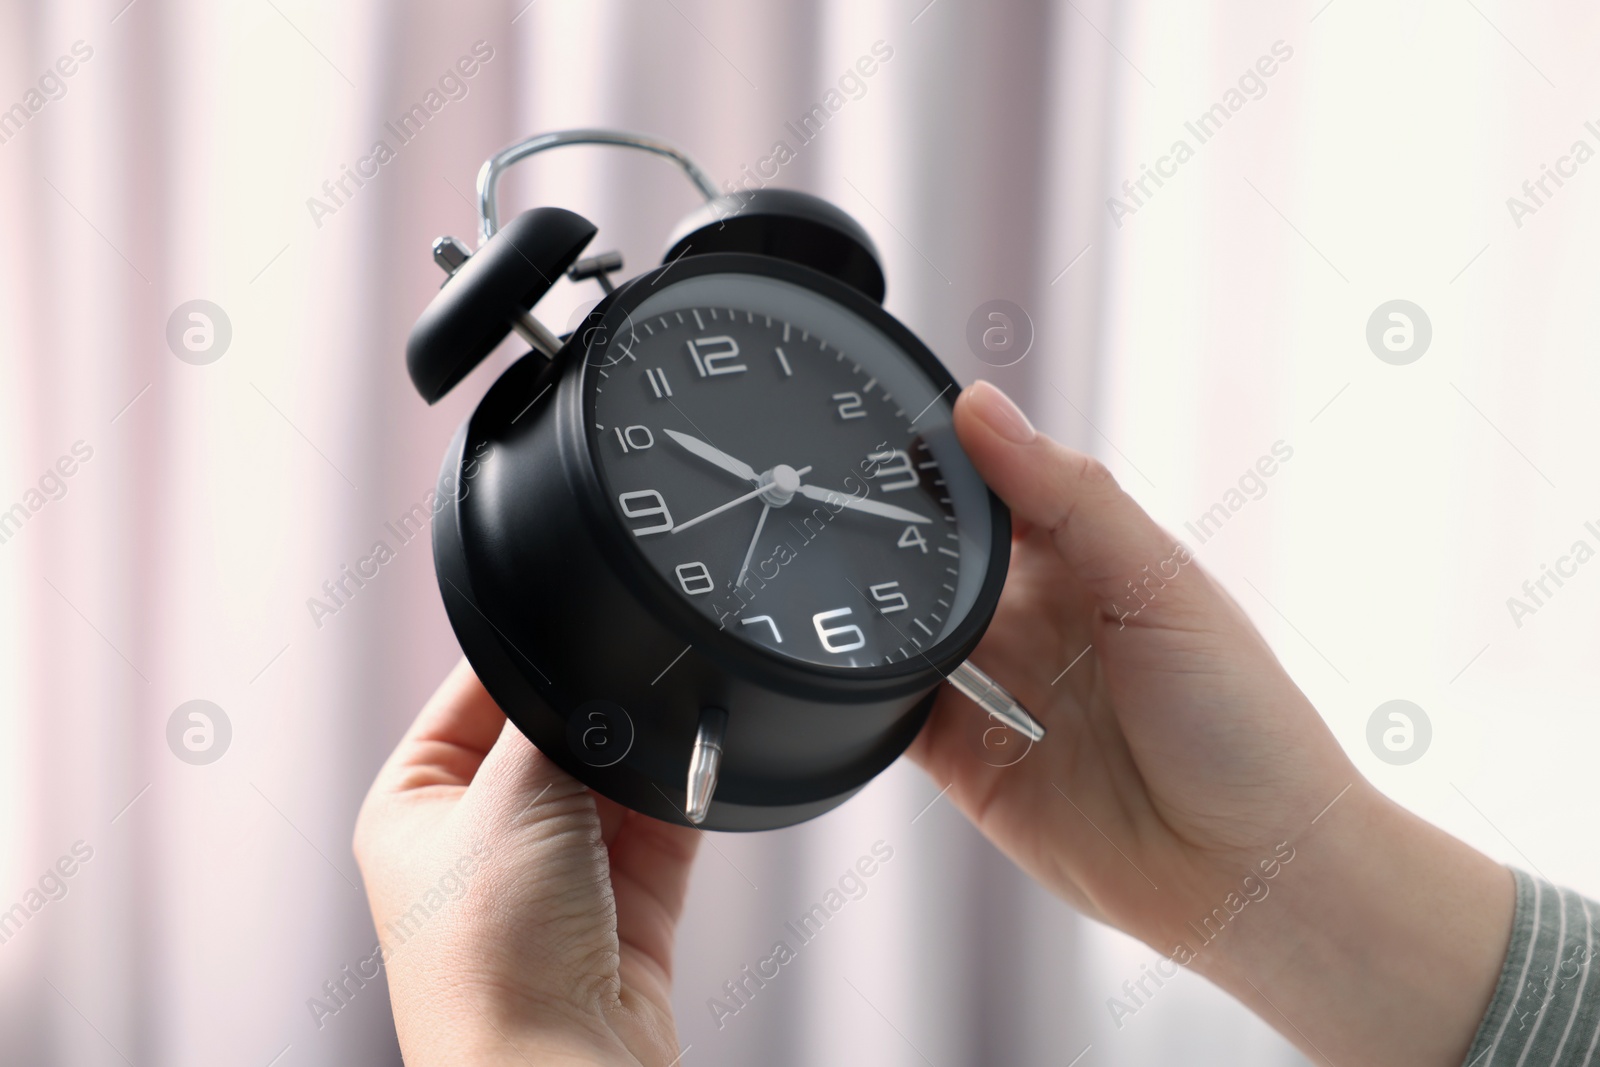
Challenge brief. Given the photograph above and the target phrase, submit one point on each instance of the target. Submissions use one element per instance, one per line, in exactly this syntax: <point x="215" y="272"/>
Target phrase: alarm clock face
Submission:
<point x="784" y="460"/>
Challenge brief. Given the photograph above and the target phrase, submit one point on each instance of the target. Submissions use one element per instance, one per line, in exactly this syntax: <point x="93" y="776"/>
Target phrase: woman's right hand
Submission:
<point x="1187" y="791"/>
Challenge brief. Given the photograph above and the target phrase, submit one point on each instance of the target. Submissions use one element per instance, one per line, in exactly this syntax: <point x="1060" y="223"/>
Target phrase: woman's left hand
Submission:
<point x="522" y="917"/>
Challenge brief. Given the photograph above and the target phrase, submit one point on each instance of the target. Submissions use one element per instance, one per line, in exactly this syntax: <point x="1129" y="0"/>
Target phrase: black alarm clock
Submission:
<point x="713" y="551"/>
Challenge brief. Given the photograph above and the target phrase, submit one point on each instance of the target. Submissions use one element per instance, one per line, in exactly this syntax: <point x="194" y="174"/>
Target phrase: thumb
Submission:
<point x="523" y="796"/>
<point x="1117" y="551"/>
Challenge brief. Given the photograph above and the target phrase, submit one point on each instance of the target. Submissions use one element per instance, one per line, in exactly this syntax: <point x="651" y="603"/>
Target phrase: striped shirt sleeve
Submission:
<point x="1546" y="1006"/>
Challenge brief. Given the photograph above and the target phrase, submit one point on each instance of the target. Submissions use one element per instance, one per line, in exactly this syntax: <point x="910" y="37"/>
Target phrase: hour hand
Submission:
<point x="714" y="455"/>
<point x="857" y="503"/>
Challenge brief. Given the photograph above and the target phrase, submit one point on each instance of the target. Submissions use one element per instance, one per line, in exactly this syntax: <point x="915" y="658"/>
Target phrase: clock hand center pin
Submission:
<point x="782" y="483"/>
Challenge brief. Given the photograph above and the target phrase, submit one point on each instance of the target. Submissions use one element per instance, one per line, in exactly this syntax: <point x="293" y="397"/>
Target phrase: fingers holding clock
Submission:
<point x="449" y="739"/>
<point x="1139" y="577"/>
<point x="1177" y="674"/>
<point x="650" y="866"/>
<point x="1119" y="554"/>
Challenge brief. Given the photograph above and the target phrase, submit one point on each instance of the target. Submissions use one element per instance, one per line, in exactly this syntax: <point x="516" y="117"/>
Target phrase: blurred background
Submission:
<point x="155" y="153"/>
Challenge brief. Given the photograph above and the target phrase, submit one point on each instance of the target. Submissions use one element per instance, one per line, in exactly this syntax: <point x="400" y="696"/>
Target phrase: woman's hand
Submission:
<point x="522" y="917"/>
<point x="1182" y="765"/>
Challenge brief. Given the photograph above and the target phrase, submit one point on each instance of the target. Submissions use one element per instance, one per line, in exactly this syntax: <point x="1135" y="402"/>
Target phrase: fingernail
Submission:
<point x="997" y="411"/>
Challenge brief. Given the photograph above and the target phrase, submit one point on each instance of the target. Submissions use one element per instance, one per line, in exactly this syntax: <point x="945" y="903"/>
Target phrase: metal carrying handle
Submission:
<point x="497" y="164"/>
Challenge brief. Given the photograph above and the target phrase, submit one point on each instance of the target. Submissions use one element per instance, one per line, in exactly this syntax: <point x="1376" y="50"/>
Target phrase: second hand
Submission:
<point x="735" y="502"/>
<point x="766" y="509"/>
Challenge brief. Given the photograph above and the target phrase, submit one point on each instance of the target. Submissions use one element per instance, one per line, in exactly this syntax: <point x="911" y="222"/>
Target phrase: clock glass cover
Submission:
<point x="788" y="469"/>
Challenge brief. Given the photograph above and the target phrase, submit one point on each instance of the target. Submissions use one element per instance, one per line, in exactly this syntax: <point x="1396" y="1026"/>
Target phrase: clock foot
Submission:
<point x="704" y="763"/>
<point x="992" y="698"/>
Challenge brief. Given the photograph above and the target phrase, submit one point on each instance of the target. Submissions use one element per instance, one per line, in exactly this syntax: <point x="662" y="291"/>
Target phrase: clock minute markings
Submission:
<point x="727" y="362"/>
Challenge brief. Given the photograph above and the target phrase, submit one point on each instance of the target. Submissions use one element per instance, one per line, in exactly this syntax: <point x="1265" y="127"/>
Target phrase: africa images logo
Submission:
<point x="1253" y="889"/>
<point x="453" y="85"/>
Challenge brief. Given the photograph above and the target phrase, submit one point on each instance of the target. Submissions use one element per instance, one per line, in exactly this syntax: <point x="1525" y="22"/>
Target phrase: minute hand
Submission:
<point x="856" y="503"/>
